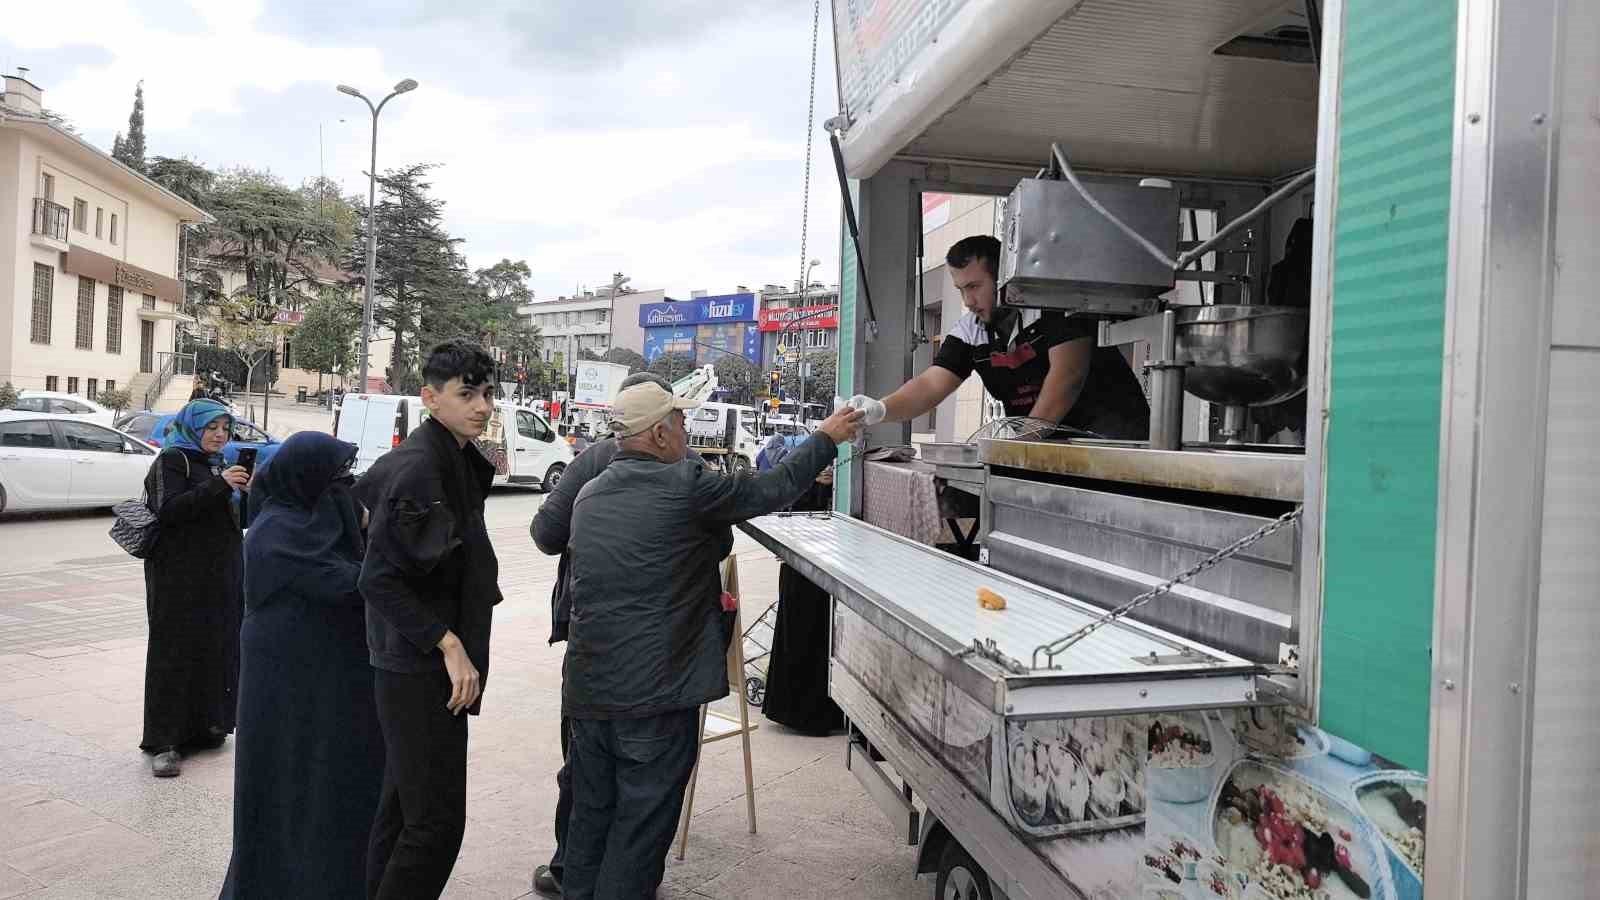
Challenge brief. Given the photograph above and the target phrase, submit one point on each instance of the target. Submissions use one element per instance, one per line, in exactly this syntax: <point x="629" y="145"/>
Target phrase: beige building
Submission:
<point x="89" y="291"/>
<point x="590" y="321"/>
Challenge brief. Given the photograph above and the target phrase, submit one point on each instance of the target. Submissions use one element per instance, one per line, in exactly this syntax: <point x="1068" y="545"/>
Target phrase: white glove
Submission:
<point x="874" y="409"/>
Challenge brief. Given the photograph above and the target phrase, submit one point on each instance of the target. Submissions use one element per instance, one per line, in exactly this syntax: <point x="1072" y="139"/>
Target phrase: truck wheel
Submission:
<point x="553" y="477"/>
<point x="959" y="877"/>
<point x="755" y="690"/>
<point x="738" y="465"/>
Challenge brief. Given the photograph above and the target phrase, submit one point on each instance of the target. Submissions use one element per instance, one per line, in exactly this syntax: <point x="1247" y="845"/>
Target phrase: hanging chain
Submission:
<point x="1057" y="647"/>
<point x="811" y="117"/>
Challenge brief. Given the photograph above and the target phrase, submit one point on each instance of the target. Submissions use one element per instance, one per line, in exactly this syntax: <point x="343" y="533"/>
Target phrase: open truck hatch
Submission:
<point x="925" y="601"/>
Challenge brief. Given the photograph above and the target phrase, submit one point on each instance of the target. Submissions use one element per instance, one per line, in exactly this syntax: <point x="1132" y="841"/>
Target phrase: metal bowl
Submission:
<point x="1243" y="355"/>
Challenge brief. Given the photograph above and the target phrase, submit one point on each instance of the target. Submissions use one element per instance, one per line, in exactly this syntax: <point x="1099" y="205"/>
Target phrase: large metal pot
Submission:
<point x="1243" y="355"/>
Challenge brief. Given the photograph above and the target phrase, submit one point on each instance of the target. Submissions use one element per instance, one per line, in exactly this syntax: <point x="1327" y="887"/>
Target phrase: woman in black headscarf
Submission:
<point x="309" y="760"/>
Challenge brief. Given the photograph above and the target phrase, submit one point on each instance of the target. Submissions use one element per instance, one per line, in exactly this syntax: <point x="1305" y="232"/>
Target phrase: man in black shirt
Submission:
<point x="1040" y="364"/>
<point x="430" y="581"/>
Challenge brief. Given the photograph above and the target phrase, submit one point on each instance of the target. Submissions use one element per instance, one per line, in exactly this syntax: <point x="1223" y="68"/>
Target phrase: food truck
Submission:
<point x="1329" y="632"/>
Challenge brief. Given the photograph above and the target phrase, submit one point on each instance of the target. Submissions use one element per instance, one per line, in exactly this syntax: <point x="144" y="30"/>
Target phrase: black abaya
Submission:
<point x="308" y="764"/>
<point x="193" y="598"/>
<point x="797" y="671"/>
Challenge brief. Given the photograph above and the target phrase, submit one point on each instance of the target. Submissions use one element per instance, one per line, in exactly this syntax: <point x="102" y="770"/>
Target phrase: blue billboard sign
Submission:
<point x="671" y="339"/>
<point x="699" y="311"/>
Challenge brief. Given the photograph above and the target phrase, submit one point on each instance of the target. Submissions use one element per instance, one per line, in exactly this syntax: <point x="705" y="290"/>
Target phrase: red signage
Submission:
<point x="802" y="317"/>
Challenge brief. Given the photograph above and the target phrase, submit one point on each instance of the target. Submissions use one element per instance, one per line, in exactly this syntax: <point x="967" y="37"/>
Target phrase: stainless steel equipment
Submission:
<point x="1231" y="355"/>
<point x="1060" y="253"/>
<point x="950" y="454"/>
<point x="1243" y="355"/>
<point x="925" y="601"/>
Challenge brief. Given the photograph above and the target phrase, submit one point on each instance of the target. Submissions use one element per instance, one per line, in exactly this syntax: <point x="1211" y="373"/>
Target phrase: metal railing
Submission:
<point x="171" y="365"/>
<point x="50" y="219"/>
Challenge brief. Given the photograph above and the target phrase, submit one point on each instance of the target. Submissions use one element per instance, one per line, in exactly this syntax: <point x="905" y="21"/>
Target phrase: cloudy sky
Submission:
<point x="662" y="138"/>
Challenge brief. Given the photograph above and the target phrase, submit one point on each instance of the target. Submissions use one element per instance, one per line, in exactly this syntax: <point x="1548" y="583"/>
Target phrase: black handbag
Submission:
<point x="136" y="528"/>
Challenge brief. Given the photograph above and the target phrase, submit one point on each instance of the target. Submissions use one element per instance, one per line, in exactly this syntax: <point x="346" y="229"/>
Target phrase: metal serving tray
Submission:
<point x="951" y="454"/>
<point x="926" y="601"/>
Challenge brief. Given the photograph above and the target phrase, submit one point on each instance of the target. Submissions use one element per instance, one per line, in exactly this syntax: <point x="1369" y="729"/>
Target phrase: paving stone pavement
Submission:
<point x="81" y="816"/>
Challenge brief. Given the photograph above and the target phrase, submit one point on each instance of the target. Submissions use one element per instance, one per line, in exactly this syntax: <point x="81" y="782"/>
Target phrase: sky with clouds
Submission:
<point x="662" y="138"/>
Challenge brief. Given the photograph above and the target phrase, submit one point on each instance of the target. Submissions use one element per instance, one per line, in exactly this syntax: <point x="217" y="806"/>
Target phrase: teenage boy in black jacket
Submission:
<point x="430" y="581"/>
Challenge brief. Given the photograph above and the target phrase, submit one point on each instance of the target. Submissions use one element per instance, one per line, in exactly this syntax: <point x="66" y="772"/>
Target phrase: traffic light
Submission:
<point x="774" y="377"/>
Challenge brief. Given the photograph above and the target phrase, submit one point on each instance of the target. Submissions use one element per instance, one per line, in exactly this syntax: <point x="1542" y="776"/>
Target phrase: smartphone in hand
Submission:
<point x="247" y="459"/>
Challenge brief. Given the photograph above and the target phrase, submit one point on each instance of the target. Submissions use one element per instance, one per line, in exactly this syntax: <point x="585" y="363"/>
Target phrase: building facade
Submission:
<point x="592" y="321"/>
<point x="89" y="248"/>
<point x="796" y="321"/>
<point x="707" y="327"/>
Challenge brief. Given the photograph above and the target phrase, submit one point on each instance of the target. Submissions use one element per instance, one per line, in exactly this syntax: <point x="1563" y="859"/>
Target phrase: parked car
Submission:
<point x="49" y="462"/>
<point x="525" y="450"/>
<point x="151" y="427"/>
<point x="72" y="406"/>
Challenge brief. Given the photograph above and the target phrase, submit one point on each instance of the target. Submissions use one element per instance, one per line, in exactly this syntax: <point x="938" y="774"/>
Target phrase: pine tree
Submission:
<point x="130" y="150"/>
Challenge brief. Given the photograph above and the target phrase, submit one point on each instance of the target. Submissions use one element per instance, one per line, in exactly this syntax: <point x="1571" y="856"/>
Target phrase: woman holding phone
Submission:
<point x="193" y="589"/>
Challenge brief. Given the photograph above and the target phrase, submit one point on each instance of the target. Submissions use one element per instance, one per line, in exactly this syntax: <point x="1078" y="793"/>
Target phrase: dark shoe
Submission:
<point x="545" y="882"/>
<point x="167" y="764"/>
<point x="211" y="741"/>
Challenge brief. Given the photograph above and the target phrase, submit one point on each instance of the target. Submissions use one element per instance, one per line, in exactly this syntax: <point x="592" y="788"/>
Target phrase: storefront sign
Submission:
<point x="289" y="317"/>
<point x="78" y="261"/>
<point x="713" y="342"/>
<point x="822" y="317"/>
<point x="724" y="308"/>
<point x="672" y="339"/>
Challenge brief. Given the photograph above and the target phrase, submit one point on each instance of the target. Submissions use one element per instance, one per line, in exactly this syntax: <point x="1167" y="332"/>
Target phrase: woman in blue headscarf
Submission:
<point x="308" y="765"/>
<point x="193" y="589"/>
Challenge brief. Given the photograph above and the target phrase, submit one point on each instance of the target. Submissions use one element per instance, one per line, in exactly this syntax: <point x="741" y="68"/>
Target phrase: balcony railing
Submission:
<point x="51" y="219"/>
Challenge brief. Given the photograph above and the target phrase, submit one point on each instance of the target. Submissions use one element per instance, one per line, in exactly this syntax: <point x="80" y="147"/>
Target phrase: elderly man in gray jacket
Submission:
<point x="646" y="646"/>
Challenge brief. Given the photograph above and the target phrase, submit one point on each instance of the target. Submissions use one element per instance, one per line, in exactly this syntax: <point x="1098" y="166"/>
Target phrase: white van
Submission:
<point x="523" y="447"/>
<point x="727" y="432"/>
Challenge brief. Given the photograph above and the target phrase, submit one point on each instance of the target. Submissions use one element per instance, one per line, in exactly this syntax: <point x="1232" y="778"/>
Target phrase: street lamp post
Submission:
<point x="408" y="84"/>
<point x="802" y="364"/>
<point x="617" y="281"/>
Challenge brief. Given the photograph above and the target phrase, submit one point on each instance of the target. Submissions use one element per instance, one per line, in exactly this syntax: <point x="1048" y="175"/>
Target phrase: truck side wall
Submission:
<point x="1382" y="445"/>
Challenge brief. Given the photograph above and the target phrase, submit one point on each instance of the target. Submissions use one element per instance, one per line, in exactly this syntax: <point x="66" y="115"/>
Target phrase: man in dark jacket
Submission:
<point x="430" y="580"/>
<point x="551" y="529"/>
<point x="647" y="645"/>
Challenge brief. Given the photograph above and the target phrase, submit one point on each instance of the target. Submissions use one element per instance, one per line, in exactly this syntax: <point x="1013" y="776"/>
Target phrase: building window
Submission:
<point x="72" y="384"/>
<point x="113" y="228"/>
<point x="93" y="386"/>
<point x="149" y="301"/>
<point x="600" y="315"/>
<point x="113" y="316"/>
<point x="819" y="339"/>
<point x="47" y="186"/>
<point x="80" y="215"/>
<point x="288" y="355"/>
<point x="85" y="338"/>
<point x="44" y="282"/>
<point x="111" y="385"/>
<point x="99" y="221"/>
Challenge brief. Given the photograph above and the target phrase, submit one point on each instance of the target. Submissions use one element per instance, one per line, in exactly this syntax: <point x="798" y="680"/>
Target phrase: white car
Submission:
<point x="525" y="450"/>
<point x="72" y="406"/>
<point x="49" y="462"/>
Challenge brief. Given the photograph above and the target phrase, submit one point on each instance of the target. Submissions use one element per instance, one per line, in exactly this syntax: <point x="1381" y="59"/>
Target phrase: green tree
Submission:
<point x="130" y="150"/>
<point x="587" y="355"/>
<point x="322" y="196"/>
<point x="184" y="177"/>
<point x="820" y="379"/>
<point x="266" y="232"/>
<point x="426" y="293"/>
<point x="243" y="331"/>
<point x="622" y="356"/>
<point x="116" y="399"/>
<point x="325" y="339"/>
<point x="739" y="377"/>
<point x="673" y="366"/>
<point x="8" y="395"/>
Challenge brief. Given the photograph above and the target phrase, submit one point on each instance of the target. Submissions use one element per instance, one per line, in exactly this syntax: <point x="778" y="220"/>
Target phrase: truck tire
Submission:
<point x="553" y="477"/>
<point x="959" y="877"/>
<point x="738" y="465"/>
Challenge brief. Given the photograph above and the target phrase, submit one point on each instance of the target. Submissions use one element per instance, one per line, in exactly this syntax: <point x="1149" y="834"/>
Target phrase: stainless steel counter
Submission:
<point x="1241" y="473"/>
<point x="926" y="601"/>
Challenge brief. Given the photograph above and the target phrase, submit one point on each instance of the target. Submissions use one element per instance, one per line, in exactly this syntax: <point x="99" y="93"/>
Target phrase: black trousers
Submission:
<point x="563" y="801"/>
<point x="422" y="811"/>
<point x="628" y="781"/>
